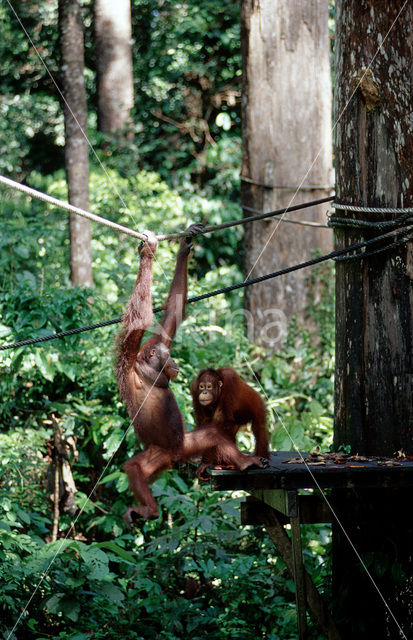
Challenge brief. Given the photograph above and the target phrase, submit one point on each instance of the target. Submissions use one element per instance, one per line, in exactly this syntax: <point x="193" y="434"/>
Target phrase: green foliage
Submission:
<point x="31" y="123"/>
<point x="22" y="472"/>
<point x="194" y="572"/>
<point x="188" y="71"/>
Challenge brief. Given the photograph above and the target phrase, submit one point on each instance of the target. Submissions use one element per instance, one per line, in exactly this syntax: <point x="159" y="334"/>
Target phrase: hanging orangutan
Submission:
<point x="144" y="372"/>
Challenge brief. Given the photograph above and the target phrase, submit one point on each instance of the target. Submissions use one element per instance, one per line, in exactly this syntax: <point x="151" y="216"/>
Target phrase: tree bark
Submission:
<point x="374" y="152"/>
<point x="286" y="143"/>
<point x="76" y="147"/>
<point x="113" y="39"/>
<point x="374" y="311"/>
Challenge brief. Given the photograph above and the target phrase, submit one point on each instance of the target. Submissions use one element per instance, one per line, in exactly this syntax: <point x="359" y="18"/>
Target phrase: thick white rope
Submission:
<point x="69" y="207"/>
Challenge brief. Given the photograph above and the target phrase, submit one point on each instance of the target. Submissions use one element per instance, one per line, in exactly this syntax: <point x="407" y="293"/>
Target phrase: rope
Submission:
<point x="358" y="256"/>
<point x="296" y="207"/>
<point x="306" y="223"/>
<point x="69" y="207"/>
<point x="239" y="285"/>
<point x="335" y="221"/>
<point x="348" y="207"/>
<point x="300" y="187"/>
<point x="60" y="334"/>
<point x="259" y="216"/>
<point x="404" y="219"/>
<point x="118" y="227"/>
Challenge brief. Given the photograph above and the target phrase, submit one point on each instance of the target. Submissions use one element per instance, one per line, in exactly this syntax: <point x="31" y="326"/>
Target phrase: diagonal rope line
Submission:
<point x="34" y="193"/>
<point x="340" y="524"/>
<point x="332" y="131"/>
<point x="47" y="570"/>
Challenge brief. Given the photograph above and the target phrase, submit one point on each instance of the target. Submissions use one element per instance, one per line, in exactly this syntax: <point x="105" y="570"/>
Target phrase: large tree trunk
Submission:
<point x="374" y="309"/>
<point x="113" y="40"/>
<point x="374" y="151"/>
<point x="286" y="143"/>
<point x="76" y="147"/>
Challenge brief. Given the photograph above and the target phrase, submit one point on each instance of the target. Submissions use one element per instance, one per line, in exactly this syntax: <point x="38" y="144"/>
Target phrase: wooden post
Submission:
<point x="374" y="306"/>
<point x="316" y="604"/>
<point x="299" y="576"/>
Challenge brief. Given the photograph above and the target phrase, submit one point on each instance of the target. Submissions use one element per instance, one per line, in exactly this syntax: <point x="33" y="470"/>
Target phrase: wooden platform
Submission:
<point x="277" y="498"/>
<point x="285" y="473"/>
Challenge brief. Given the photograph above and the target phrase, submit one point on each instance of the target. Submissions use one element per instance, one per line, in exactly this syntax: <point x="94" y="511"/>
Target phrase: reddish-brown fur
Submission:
<point x="143" y="374"/>
<point x="232" y="404"/>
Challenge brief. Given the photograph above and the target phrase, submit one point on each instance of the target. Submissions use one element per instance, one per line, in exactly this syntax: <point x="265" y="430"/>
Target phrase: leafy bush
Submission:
<point x="195" y="573"/>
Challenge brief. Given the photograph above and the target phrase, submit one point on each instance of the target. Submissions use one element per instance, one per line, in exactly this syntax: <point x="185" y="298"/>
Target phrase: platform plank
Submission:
<point x="283" y="473"/>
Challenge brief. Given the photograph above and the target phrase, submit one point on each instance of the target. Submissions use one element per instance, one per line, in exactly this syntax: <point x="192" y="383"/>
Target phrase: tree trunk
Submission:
<point x="113" y="39"/>
<point x="286" y="143"/>
<point x="374" y="308"/>
<point x="374" y="151"/>
<point x="76" y="147"/>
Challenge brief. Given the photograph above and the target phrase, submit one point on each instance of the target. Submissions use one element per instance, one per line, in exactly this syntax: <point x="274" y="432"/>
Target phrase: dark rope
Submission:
<point x="60" y="334"/>
<point x="259" y="216"/>
<point x="233" y="287"/>
<point x="358" y="256"/>
<point x="279" y="212"/>
<point x="354" y="223"/>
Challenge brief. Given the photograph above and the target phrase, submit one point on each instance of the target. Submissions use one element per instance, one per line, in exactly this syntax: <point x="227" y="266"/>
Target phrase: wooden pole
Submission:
<point x="315" y="602"/>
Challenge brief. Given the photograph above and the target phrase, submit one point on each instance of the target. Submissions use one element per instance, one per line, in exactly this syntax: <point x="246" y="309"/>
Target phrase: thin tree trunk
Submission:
<point x="56" y="496"/>
<point x="374" y="311"/>
<point x="113" y="40"/>
<point x="286" y="143"/>
<point x="76" y="147"/>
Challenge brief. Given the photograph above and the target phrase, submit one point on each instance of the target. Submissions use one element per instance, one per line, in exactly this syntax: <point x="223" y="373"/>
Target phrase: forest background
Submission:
<point x="195" y="572"/>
